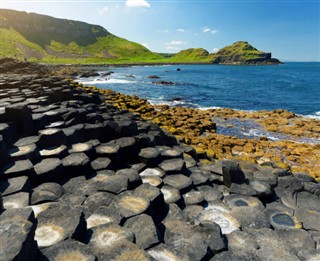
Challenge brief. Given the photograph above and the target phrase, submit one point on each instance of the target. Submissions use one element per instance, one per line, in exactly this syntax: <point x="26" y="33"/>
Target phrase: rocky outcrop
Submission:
<point x="242" y="53"/>
<point x="89" y="181"/>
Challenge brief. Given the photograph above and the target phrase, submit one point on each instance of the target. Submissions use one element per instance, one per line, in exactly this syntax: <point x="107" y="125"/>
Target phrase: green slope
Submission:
<point x="242" y="53"/>
<point x="48" y="39"/>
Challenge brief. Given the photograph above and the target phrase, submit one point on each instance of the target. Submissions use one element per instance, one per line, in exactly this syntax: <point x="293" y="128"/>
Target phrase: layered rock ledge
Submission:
<point x="81" y="179"/>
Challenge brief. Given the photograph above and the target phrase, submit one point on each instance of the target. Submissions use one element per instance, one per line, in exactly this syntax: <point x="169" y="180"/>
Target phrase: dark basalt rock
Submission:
<point x="182" y="238"/>
<point x="232" y="173"/>
<point x="104" y="215"/>
<point x="67" y="250"/>
<point x="98" y="199"/>
<point x="16" y="169"/>
<point x="48" y="170"/>
<point x="46" y="192"/>
<point x="20" y="114"/>
<point x="51" y="137"/>
<point x="17" y="240"/>
<point x="76" y="164"/>
<point x="173" y="166"/>
<point x="150" y="156"/>
<point x="17" y="200"/>
<point x="144" y="230"/>
<point x="19" y="184"/>
<point x="57" y="223"/>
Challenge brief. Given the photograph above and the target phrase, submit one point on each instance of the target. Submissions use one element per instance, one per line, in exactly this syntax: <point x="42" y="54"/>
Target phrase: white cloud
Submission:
<point x="206" y="29"/>
<point x="103" y="10"/>
<point x="173" y="48"/>
<point x="145" y="45"/>
<point x="214" y="50"/>
<point x="176" y="42"/>
<point x="164" y="31"/>
<point x="137" y="3"/>
<point x="180" y="30"/>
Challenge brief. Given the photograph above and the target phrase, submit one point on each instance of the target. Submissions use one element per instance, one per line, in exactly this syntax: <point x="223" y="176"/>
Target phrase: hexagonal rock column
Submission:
<point x="67" y="250"/>
<point x="17" y="238"/>
<point x="20" y="114"/>
<point x="232" y="173"/>
<point x="57" y="223"/>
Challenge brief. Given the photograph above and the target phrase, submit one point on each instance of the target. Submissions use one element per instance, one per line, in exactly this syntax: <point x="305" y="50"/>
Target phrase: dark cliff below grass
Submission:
<point x="51" y="40"/>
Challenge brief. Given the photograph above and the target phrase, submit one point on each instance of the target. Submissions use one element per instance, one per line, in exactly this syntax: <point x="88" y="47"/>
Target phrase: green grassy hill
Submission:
<point x="46" y="39"/>
<point x="242" y="53"/>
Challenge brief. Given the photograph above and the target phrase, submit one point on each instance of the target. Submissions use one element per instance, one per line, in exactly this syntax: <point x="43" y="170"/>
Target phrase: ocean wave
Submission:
<point x="315" y="116"/>
<point x="98" y="81"/>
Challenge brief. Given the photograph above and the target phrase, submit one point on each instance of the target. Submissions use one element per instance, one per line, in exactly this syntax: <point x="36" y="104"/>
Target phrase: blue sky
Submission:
<point x="288" y="29"/>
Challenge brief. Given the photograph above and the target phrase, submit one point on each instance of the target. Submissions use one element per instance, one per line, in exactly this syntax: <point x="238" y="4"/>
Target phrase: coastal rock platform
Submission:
<point x="81" y="179"/>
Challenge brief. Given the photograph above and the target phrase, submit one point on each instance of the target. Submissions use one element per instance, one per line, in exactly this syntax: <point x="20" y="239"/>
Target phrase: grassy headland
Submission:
<point x="60" y="41"/>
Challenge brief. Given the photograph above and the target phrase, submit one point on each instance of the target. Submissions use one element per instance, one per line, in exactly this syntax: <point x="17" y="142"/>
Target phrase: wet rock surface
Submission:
<point x="89" y="181"/>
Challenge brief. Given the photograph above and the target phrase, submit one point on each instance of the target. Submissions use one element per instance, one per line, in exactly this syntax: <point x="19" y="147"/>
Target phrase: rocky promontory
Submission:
<point x="81" y="179"/>
<point x="242" y="52"/>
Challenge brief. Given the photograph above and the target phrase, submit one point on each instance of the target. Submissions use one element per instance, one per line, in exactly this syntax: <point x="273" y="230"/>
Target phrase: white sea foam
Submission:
<point x="106" y="81"/>
<point x="315" y="116"/>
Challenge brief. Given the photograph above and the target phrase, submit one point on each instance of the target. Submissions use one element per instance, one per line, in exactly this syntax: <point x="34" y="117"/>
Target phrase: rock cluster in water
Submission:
<point x="83" y="180"/>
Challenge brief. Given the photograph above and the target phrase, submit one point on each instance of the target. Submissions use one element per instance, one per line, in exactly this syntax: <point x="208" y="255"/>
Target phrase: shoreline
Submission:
<point x="201" y="133"/>
<point x="83" y="177"/>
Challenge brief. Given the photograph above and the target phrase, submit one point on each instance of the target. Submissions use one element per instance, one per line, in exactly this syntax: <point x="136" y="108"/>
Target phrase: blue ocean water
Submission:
<point x="291" y="86"/>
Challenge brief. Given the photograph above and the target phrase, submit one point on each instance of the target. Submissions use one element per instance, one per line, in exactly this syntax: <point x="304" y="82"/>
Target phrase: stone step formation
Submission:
<point x="83" y="180"/>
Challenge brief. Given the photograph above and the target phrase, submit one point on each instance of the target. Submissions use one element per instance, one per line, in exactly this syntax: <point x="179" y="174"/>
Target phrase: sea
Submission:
<point x="292" y="86"/>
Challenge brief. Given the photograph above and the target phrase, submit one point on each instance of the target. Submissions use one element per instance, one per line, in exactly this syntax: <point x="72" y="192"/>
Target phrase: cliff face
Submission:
<point x="242" y="53"/>
<point x="42" y="29"/>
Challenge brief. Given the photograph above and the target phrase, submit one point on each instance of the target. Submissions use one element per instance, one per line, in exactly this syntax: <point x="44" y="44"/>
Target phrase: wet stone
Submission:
<point x="68" y="250"/>
<point x="46" y="192"/>
<point x="144" y="230"/>
<point x="17" y="200"/>
<point x="243" y="201"/>
<point x="104" y="215"/>
<point x="19" y="184"/>
<point x="16" y="169"/>
<point x="283" y="221"/>
<point x="173" y="166"/>
<point x="131" y="203"/>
